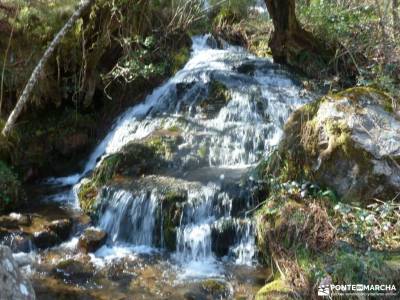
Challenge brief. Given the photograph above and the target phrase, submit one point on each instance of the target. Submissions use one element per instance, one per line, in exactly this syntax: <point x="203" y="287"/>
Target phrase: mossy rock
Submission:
<point x="134" y="159"/>
<point x="277" y="290"/>
<point x="218" y="289"/>
<point x="87" y="195"/>
<point x="346" y="141"/>
<point x="11" y="192"/>
<point x="74" y="271"/>
<point x="171" y="216"/>
<point x="179" y="58"/>
<point x="218" y="96"/>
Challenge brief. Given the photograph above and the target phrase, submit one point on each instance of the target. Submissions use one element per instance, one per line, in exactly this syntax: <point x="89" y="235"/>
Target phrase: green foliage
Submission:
<point x="138" y="62"/>
<point x="378" y="224"/>
<point x="42" y="19"/>
<point x="179" y="59"/>
<point x="11" y="194"/>
<point x="335" y="22"/>
<point x="231" y="11"/>
<point x="358" y="27"/>
<point x="368" y="268"/>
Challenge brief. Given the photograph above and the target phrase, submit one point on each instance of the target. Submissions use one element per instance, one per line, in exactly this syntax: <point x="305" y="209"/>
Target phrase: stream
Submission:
<point x="212" y="165"/>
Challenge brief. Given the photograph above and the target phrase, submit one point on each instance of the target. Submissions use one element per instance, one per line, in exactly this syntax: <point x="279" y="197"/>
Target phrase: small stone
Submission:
<point x="45" y="239"/>
<point x="61" y="227"/>
<point x="74" y="271"/>
<point x="91" y="240"/>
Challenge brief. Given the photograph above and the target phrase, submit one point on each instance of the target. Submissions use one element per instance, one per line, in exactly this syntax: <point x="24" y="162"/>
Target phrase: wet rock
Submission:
<point x="183" y="87"/>
<point x="13" y="221"/>
<point x="222" y="237"/>
<point x="246" y="68"/>
<point x="61" y="227"/>
<point x="216" y="288"/>
<point x="17" y="241"/>
<point x="171" y="211"/>
<point x="13" y="285"/>
<point x="45" y="239"/>
<point x="91" y="240"/>
<point x="349" y="142"/>
<point x="8" y="222"/>
<point x="218" y="96"/>
<point x="74" y="271"/>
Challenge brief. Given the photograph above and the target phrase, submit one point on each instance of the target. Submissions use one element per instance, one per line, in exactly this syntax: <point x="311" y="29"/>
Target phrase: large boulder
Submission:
<point x="13" y="285"/>
<point x="348" y="141"/>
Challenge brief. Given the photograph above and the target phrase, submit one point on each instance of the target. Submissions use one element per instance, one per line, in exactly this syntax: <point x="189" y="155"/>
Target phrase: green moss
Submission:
<point x="218" y="96"/>
<point x="219" y="92"/>
<point x="175" y="129"/>
<point x="164" y="145"/>
<point x="133" y="160"/>
<point x="105" y="172"/>
<point x="171" y="215"/>
<point x="202" y="151"/>
<point x="302" y="157"/>
<point x="368" y="268"/>
<point x="277" y="289"/>
<point x="87" y="196"/>
<point x="214" y="287"/>
<point x="179" y="59"/>
<point x="358" y="94"/>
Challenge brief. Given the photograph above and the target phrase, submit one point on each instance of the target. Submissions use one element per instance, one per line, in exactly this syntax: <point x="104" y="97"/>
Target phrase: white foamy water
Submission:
<point x="231" y="135"/>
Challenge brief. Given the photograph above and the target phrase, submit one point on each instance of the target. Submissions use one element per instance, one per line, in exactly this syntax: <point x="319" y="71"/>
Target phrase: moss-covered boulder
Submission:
<point x="11" y="193"/>
<point x="148" y="156"/>
<point x="133" y="160"/>
<point x="347" y="141"/>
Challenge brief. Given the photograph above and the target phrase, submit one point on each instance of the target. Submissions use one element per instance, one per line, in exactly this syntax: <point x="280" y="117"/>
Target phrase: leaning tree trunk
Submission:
<point x="24" y="98"/>
<point x="290" y="43"/>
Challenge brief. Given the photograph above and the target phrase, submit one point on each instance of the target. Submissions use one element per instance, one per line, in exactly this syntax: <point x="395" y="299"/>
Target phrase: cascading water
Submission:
<point x="221" y="141"/>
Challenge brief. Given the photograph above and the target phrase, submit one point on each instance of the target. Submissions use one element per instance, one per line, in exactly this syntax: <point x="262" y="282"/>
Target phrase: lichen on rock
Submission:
<point x="347" y="141"/>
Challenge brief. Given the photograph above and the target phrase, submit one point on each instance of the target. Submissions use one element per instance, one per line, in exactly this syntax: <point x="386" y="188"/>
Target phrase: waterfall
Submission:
<point x="221" y="141"/>
<point x="128" y="217"/>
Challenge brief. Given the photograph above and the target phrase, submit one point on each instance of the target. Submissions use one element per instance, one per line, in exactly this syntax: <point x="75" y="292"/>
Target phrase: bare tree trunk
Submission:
<point x="289" y="40"/>
<point x="24" y="98"/>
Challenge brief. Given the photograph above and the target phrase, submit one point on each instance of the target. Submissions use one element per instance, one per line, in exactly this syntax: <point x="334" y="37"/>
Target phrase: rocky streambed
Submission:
<point x="226" y="168"/>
